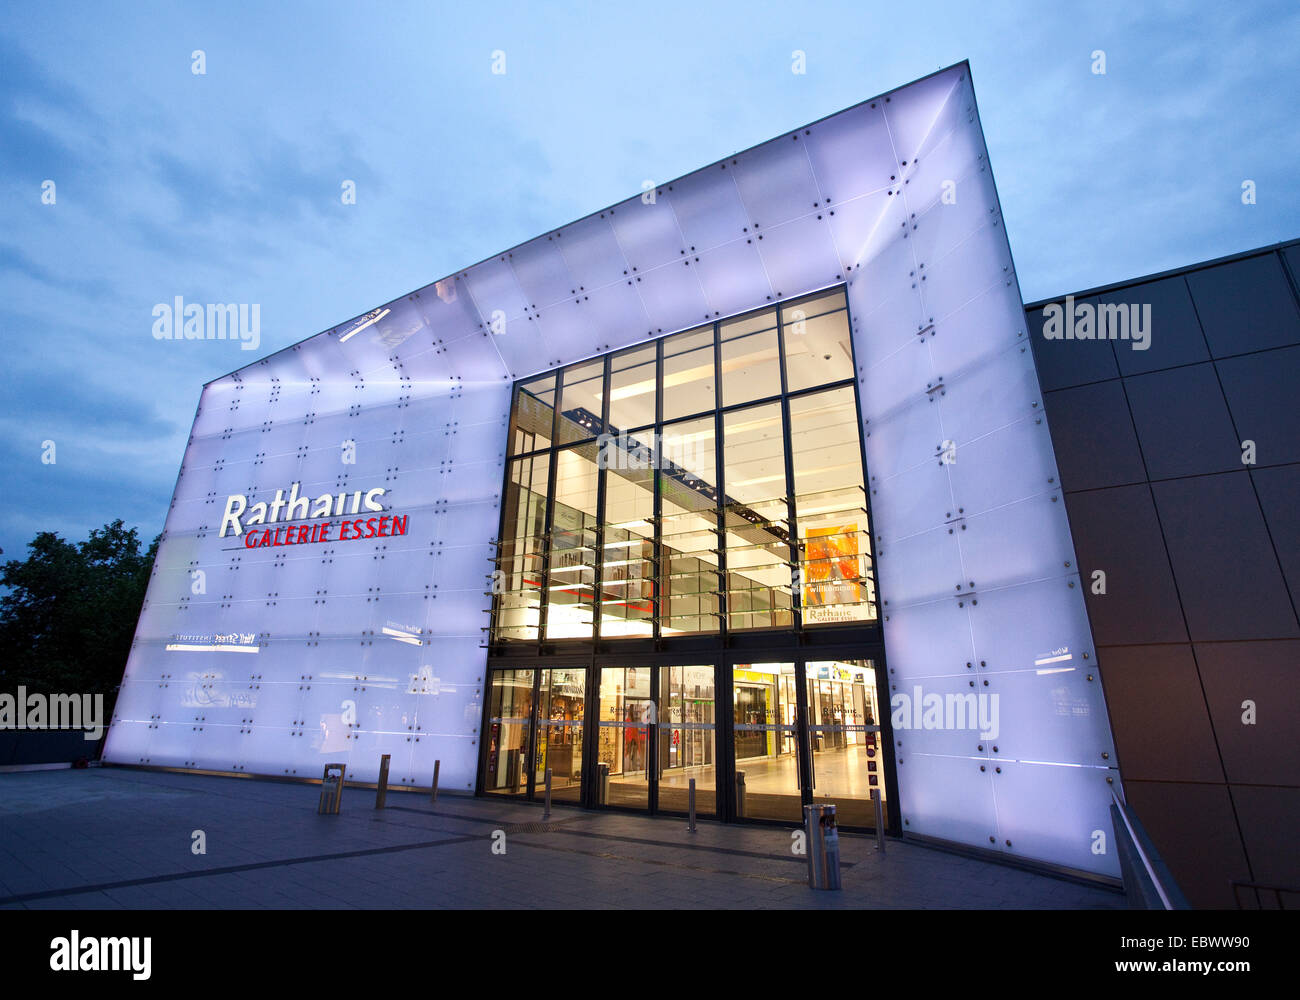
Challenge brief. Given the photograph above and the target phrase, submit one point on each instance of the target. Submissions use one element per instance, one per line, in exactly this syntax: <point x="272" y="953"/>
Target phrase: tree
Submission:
<point x="69" y="616"/>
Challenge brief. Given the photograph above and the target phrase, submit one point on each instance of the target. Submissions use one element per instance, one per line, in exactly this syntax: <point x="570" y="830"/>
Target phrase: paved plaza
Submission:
<point x="108" y="838"/>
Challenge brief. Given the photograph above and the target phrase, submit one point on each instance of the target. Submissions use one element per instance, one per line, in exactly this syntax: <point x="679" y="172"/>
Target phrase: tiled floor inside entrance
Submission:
<point x="117" y="838"/>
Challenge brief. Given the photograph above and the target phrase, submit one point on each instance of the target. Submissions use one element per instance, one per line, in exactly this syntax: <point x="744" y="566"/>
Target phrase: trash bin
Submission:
<point x="331" y="789"/>
<point x="823" y="846"/>
<point x="602" y="784"/>
<point x="740" y="794"/>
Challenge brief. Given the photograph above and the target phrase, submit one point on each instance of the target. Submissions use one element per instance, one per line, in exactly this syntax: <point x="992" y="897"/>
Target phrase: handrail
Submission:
<point x="1171" y="898"/>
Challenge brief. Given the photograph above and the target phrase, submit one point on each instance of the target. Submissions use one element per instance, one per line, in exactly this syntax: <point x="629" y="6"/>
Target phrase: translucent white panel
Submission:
<point x="799" y="255"/>
<point x="1052" y="813"/>
<point x="647" y="234"/>
<point x="957" y="155"/>
<point x="466" y="482"/>
<point x="616" y="312"/>
<point x="943" y="226"/>
<point x="1052" y="714"/>
<point x="951" y="715"/>
<point x="137" y="700"/>
<point x="946" y="797"/>
<point x="903" y="439"/>
<point x="480" y="356"/>
<point x="912" y="110"/>
<point x="460" y="611"/>
<point x="984" y="326"/>
<point x="568" y="329"/>
<point x="851" y="153"/>
<point x="899" y="314"/>
<point x="406" y="606"/>
<point x="776" y="184"/>
<point x="902" y="377"/>
<point x="732" y="277"/>
<point x="468" y="524"/>
<point x="276" y="750"/>
<point x="708" y="209"/>
<point x="975" y="264"/>
<point x="127" y="742"/>
<point x="1004" y="465"/>
<point x="480" y="403"/>
<point x="478" y="438"/>
<point x="214" y="408"/>
<point x="592" y="253"/>
<point x="1016" y="543"/>
<point x="1028" y="625"/>
<point x="922" y="567"/>
<point x="854" y="224"/>
<point x="492" y="286"/>
<point x="995" y="390"/>
<point x="927" y="640"/>
<point x="541" y="272"/>
<point x="449" y="702"/>
<point x="917" y="499"/>
<point x="673" y="300"/>
<point x="448" y="309"/>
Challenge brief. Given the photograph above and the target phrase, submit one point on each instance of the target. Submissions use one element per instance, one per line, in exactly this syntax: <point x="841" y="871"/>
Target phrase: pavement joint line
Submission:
<point x="234" y="869"/>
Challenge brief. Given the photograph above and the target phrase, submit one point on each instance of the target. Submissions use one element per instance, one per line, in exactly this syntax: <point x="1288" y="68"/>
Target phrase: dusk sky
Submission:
<point x="225" y="186"/>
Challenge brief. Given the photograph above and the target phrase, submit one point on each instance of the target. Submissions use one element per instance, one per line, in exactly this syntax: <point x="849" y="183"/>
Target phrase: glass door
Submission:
<point x="687" y="747"/>
<point x="561" y="700"/>
<point x="510" y="732"/>
<point x="627" y="712"/>
<point x="844" y="738"/>
<point x="535" y="719"/>
<point x="766" y="725"/>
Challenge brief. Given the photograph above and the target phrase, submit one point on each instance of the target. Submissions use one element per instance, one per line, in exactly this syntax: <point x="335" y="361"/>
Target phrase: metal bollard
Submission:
<point x="690" y="800"/>
<point x="436" y="765"/>
<point x="547" y="813"/>
<point x="381" y="791"/>
<point x="880" y="820"/>
<point x="823" y="846"/>
<point x="740" y="794"/>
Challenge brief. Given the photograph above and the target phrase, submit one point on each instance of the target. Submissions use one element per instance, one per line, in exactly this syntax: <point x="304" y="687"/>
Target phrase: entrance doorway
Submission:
<point x="633" y="735"/>
<point x="657" y="731"/>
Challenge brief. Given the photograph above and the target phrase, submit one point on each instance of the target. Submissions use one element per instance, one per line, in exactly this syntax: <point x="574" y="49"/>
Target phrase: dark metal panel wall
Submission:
<point x="1201" y="554"/>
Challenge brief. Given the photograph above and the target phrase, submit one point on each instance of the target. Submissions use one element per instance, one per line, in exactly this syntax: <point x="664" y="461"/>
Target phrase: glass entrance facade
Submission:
<point x="709" y="483"/>
<point x="799" y="731"/>
<point x="665" y="508"/>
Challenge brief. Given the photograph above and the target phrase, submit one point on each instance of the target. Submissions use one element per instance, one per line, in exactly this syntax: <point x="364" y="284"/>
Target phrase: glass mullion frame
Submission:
<point x="688" y="384"/>
<point x="631" y="402"/>
<point x="832" y="526"/>
<point x="602" y="448"/>
<point x="796" y="576"/>
<point x="519" y="563"/>
<point x="689" y="566"/>
<point x="749" y="359"/>
<point x="572" y="544"/>
<point x="532" y="415"/>
<point x="658" y="487"/>
<point x="626" y="588"/>
<point x="579" y="409"/>
<point x="720" y="465"/>
<point x="817" y="348"/>
<point x="755" y="514"/>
